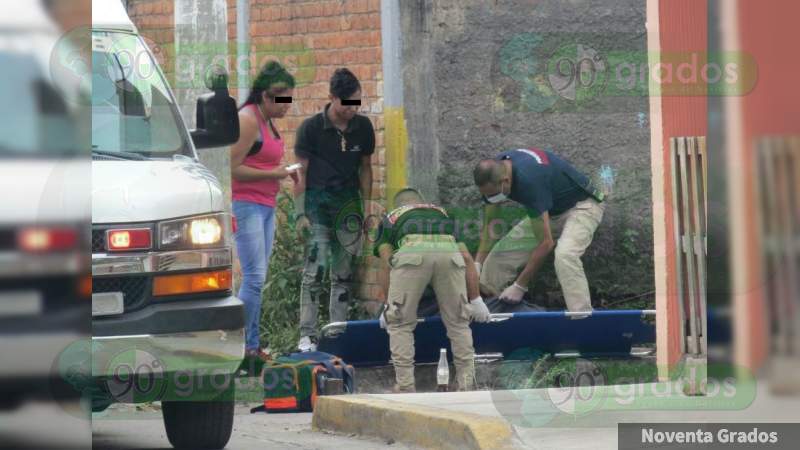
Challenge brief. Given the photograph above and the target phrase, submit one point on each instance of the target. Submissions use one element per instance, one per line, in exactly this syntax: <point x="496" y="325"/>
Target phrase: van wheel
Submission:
<point x="198" y="425"/>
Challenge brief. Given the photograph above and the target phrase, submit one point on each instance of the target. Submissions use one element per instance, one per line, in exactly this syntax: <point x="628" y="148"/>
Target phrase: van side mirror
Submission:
<point x="217" y="114"/>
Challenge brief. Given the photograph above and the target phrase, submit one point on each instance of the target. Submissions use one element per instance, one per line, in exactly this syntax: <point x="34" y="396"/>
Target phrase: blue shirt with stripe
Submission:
<point x="542" y="181"/>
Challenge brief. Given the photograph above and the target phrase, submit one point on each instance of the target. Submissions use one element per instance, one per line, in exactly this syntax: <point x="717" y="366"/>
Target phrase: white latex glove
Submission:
<point x="478" y="310"/>
<point x="478" y="267"/>
<point x="382" y="319"/>
<point x="513" y="294"/>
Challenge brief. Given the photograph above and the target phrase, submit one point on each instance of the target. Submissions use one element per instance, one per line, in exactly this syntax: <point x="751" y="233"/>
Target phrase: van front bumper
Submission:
<point x="193" y="337"/>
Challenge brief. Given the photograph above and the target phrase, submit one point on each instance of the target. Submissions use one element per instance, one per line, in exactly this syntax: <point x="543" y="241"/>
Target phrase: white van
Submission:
<point x="44" y="207"/>
<point x="165" y="324"/>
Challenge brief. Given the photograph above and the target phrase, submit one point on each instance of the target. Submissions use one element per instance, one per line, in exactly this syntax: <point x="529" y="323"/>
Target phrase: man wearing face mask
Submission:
<point x="556" y="197"/>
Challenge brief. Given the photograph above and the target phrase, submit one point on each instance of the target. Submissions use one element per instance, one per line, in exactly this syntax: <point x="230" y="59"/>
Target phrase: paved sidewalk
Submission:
<point x="564" y="418"/>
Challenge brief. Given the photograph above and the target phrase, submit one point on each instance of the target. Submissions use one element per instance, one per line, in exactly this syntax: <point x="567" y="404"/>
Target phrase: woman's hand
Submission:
<point x="279" y="173"/>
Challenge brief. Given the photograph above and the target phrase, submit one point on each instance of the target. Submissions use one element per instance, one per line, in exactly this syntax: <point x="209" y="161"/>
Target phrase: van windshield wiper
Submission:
<point x="119" y="155"/>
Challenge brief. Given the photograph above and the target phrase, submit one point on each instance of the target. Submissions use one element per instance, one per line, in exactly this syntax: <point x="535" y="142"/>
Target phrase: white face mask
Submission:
<point x="496" y="198"/>
<point x="500" y="197"/>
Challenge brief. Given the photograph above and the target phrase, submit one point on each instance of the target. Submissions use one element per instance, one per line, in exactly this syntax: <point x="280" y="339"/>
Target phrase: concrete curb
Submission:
<point x="412" y="424"/>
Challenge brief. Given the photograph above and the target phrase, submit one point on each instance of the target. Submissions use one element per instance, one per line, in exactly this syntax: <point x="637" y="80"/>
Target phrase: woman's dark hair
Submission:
<point x="344" y="83"/>
<point x="273" y="73"/>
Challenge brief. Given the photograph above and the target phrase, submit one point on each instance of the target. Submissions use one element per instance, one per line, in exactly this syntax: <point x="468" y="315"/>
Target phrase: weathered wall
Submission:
<point x="480" y="77"/>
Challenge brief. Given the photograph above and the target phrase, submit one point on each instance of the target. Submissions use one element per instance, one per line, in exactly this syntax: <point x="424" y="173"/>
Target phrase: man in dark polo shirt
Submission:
<point x="417" y="247"/>
<point x="335" y="148"/>
<point x="555" y="195"/>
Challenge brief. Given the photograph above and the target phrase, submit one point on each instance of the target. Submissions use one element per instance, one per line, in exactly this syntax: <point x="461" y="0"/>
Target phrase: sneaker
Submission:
<point x="306" y="344"/>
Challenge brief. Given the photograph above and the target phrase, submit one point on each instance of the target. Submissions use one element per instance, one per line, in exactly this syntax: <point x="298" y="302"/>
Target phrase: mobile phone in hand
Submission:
<point x="293" y="167"/>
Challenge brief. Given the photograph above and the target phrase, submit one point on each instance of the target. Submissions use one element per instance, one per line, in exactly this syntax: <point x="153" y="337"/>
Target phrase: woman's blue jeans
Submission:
<point x="254" y="237"/>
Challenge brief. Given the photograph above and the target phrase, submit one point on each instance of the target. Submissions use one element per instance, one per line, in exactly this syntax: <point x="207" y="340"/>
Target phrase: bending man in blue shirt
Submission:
<point x="556" y="197"/>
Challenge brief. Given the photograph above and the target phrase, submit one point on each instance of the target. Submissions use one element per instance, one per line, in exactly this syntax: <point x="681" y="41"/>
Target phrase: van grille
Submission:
<point x="98" y="241"/>
<point x="135" y="289"/>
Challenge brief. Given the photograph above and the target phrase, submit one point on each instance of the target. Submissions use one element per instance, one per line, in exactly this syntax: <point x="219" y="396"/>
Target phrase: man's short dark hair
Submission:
<point x="487" y="171"/>
<point x="344" y="83"/>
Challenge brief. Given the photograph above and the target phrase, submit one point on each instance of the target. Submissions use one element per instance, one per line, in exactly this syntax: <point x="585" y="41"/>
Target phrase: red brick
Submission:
<point x="331" y="24"/>
<point x="366" y="21"/>
<point x="320" y="90"/>
<point x="346" y="23"/>
<point x="356" y="6"/>
<point x="263" y="13"/>
<point x="321" y="41"/>
<point x="163" y="21"/>
<point x="315" y="10"/>
<point x="333" y="8"/>
<point x="300" y="26"/>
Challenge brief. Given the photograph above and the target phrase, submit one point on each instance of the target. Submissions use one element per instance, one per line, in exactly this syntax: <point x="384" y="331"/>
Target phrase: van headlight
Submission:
<point x="194" y="232"/>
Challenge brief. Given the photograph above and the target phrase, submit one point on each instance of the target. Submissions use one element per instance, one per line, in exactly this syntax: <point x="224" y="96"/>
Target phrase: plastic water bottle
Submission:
<point x="442" y="372"/>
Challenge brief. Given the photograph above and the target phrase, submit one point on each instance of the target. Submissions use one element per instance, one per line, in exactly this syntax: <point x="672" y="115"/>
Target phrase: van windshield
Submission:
<point x="134" y="115"/>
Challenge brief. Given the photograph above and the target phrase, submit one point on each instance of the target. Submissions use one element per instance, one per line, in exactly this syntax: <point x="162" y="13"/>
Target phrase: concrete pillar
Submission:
<point x="201" y="41"/>
<point x="677" y="26"/>
<point x="242" y="49"/>
<point x="396" y="135"/>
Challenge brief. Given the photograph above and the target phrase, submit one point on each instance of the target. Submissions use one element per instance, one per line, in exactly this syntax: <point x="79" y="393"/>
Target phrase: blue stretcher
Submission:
<point x="602" y="332"/>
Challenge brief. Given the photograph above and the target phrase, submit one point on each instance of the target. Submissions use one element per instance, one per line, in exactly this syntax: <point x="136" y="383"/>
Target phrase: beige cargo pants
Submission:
<point x="419" y="261"/>
<point x="573" y="230"/>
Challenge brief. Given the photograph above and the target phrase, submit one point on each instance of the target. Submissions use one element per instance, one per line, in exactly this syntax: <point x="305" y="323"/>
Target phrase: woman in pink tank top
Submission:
<point x="256" y="172"/>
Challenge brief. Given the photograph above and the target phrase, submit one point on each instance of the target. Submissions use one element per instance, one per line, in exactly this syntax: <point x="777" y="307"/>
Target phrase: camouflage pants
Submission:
<point x="327" y="250"/>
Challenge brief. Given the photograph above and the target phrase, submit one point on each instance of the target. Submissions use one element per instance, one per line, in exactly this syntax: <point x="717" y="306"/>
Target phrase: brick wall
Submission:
<point x="156" y="22"/>
<point x="311" y="38"/>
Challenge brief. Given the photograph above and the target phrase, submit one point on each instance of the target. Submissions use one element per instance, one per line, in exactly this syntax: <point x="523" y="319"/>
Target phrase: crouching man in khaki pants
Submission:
<point x="417" y="246"/>
<point x="555" y="195"/>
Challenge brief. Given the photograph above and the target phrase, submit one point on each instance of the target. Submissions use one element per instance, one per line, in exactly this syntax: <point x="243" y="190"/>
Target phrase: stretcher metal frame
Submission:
<point x="596" y="333"/>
